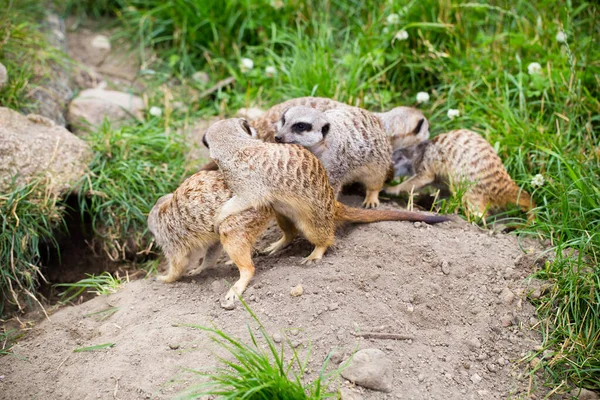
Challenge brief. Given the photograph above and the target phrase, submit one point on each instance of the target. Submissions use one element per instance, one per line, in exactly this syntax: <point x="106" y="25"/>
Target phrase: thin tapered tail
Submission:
<point x="359" y="215"/>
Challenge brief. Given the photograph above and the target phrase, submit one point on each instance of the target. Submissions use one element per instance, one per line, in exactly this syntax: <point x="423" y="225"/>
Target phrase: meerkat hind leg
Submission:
<point x="210" y="258"/>
<point x="289" y="234"/>
<point x="177" y="265"/>
<point x="316" y="255"/>
<point x="241" y="255"/>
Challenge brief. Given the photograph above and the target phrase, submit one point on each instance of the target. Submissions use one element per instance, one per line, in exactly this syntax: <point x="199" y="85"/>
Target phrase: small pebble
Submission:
<point x="277" y="338"/>
<point x="421" y="377"/>
<point x="507" y="296"/>
<point x="476" y="378"/>
<point x="101" y="42"/>
<point x="445" y="267"/>
<point x="473" y="344"/>
<point x="297" y="291"/>
<point x="333" y="306"/>
<point x="173" y="346"/>
<point x="418" y="224"/>
<point x="492" y="367"/>
<point x="506" y="320"/>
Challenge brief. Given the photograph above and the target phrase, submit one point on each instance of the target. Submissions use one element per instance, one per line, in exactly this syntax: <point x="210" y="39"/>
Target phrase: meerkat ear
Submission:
<point x="325" y="129"/>
<point x="204" y="141"/>
<point x="419" y="126"/>
<point x="246" y="127"/>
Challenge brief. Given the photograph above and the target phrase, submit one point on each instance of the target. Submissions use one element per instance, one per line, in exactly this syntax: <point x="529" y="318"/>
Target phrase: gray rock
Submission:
<point x="584" y="394"/>
<point x="3" y="75"/>
<point x="34" y="146"/>
<point x="506" y="296"/>
<point x="92" y="106"/>
<point x="445" y="267"/>
<point x="476" y="378"/>
<point x="371" y="369"/>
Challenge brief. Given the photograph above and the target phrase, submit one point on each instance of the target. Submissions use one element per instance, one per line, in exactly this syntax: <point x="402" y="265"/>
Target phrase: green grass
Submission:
<point x="255" y="372"/>
<point x="28" y="216"/>
<point x="102" y="284"/>
<point x="132" y="167"/>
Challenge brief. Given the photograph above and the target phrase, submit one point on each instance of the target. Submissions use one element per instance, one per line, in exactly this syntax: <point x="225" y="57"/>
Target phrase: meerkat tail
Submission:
<point x="357" y="215"/>
<point x="210" y="166"/>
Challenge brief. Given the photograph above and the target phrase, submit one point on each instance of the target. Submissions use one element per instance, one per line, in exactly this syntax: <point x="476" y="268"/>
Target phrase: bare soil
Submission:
<point x="447" y="286"/>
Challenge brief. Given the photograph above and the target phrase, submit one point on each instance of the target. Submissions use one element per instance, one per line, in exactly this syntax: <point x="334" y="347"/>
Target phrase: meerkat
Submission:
<point x="349" y="141"/>
<point x="457" y="157"/>
<point x="290" y="180"/>
<point x="182" y="224"/>
<point x="404" y="126"/>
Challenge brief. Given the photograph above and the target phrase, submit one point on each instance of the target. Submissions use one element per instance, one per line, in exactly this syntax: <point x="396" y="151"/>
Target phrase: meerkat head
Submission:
<point x="405" y="126"/>
<point x="156" y="211"/>
<point x="302" y="125"/>
<point x="404" y="159"/>
<point x="226" y="130"/>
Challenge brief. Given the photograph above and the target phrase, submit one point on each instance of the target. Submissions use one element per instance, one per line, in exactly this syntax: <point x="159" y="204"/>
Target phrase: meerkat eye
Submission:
<point x="246" y="127"/>
<point x="283" y="120"/>
<point x="301" y="127"/>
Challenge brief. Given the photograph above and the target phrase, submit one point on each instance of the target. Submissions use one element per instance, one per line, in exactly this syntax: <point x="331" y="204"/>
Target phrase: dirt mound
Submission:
<point x="455" y="289"/>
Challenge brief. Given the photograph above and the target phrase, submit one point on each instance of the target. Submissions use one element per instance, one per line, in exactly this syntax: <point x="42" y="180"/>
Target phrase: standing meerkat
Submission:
<point x="404" y="126"/>
<point x="349" y="141"/>
<point x="182" y="223"/>
<point x="290" y="180"/>
<point x="458" y="157"/>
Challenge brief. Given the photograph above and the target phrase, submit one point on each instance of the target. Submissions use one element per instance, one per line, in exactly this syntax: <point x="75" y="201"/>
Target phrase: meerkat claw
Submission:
<point x="276" y="246"/>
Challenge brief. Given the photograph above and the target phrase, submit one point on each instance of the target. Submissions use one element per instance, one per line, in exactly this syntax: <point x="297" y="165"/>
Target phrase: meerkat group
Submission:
<point x="290" y="165"/>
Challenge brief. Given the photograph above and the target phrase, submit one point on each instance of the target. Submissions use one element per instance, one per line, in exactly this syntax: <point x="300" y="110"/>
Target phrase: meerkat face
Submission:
<point x="302" y="125"/>
<point x="403" y="165"/>
<point x="406" y="126"/>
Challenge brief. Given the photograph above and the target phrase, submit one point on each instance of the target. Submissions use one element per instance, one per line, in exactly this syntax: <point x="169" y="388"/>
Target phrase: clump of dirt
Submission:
<point x="458" y="291"/>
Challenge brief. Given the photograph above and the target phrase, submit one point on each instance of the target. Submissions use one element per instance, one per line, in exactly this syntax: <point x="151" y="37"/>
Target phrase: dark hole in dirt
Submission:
<point x="77" y="255"/>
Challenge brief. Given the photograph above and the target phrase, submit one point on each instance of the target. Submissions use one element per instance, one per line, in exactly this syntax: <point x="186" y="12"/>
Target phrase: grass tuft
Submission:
<point x="253" y="372"/>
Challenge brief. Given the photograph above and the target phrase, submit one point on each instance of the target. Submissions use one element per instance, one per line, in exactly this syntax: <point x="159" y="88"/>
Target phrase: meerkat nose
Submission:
<point x="278" y="139"/>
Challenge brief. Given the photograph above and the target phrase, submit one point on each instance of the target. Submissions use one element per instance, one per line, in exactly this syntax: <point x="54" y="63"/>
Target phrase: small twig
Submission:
<point x="116" y="388"/>
<point x="378" y="335"/>
<point x="61" y="364"/>
<point x="219" y="85"/>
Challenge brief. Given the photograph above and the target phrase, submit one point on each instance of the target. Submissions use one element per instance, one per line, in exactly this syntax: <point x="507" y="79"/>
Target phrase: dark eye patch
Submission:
<point x="300" y="127"/>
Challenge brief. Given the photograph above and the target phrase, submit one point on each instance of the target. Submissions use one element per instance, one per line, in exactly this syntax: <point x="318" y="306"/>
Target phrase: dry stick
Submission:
<point x="219" y="85"/>
<point x="379" y="335"/>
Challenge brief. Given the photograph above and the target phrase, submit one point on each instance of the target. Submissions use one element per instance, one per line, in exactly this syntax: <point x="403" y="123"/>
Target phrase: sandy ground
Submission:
<point x="459" y="291"/>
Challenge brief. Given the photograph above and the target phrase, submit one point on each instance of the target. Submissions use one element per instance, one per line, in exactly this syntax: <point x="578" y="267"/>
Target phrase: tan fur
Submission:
<point x="404" y="126"/>
<point x="183" y="226"/>
<point x="288" y="178"/>
<point x="349" y="141"/>
<point x="461" y="157"/>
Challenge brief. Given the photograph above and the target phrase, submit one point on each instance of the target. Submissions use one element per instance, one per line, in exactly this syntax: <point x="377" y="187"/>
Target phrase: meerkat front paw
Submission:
<point x="166" y="278"/>
<point x="370" y="203"/>
<point x="315" y="256"/>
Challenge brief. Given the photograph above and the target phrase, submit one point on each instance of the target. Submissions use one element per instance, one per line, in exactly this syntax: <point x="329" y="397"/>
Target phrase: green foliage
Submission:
<point x="254" y="373"/>
<point x="132" y="167"/>
<point x="102" y="284"/>
<point x="23" y="50"/>
<point x="27" y="217"/>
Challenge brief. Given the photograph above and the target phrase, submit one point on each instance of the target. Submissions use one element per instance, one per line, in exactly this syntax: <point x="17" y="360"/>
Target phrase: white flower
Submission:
<point x="422" y="97"/>
<point x="270" y="71"/>
<point x="538" y="180"/>
<point x="561" y="37"/>
<point x="385" y="30"/>
<point x="246" y="65"/>
<point x="393" y="19"/>
<point x="155" y="111"/>
<point x="534" y="68"/>
<point x="401" y="35"/>
<point x="453" y="113"/>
